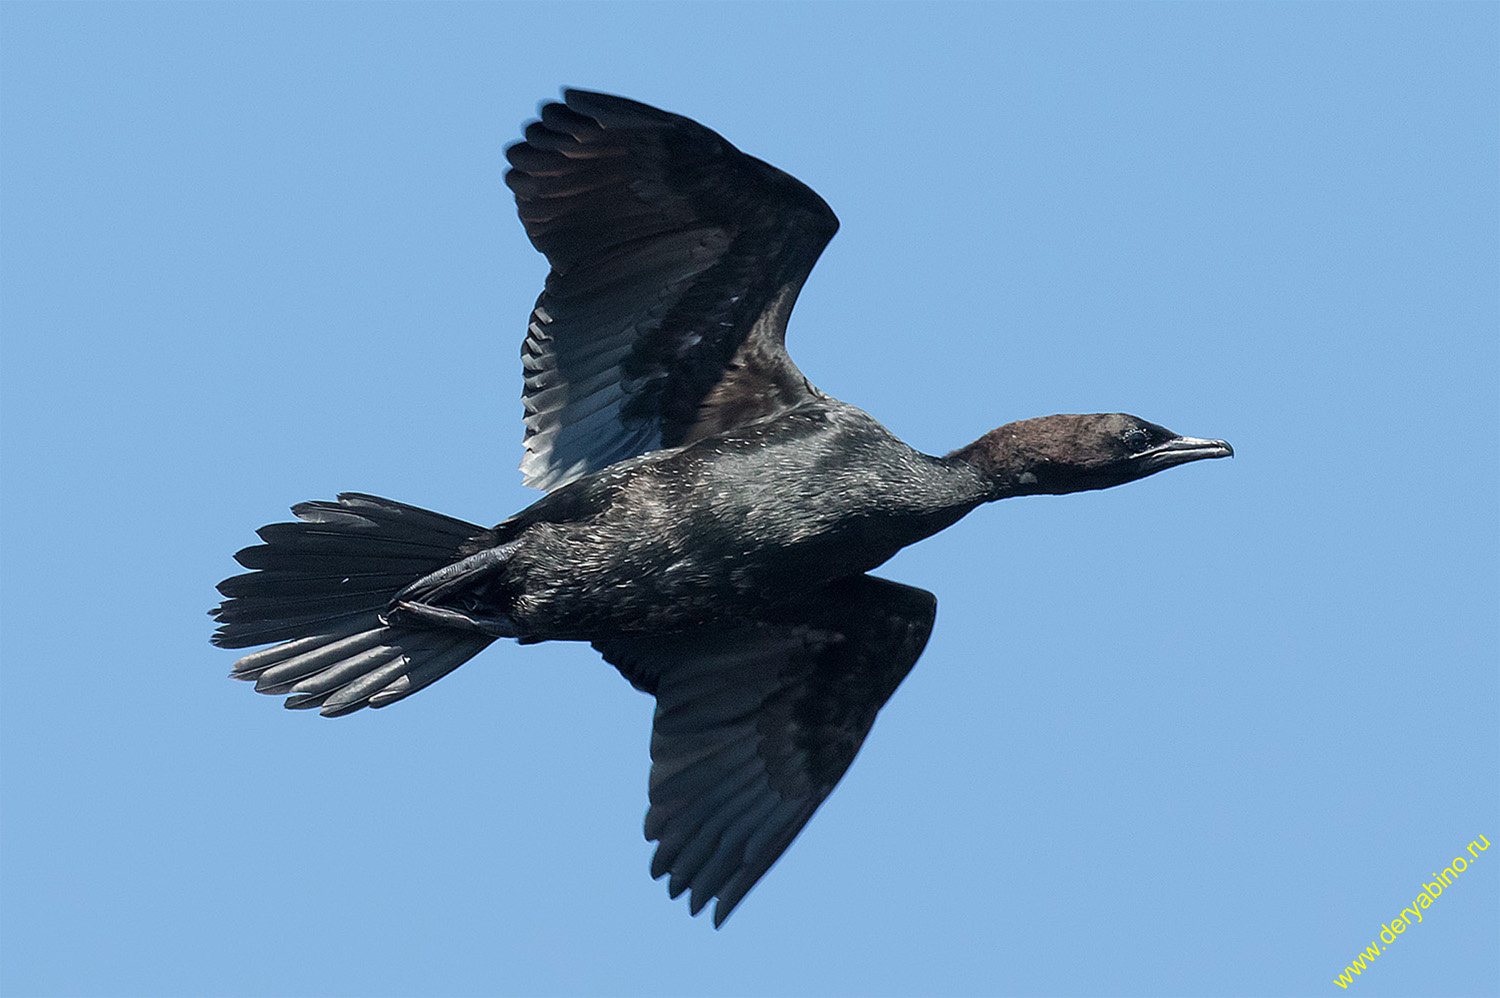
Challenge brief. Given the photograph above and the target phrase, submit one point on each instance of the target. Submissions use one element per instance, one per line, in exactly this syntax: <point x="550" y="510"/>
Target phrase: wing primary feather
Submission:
<point x="729" y="853"/>
<point x="697" y="850"/>
<point x="681" y="824"/>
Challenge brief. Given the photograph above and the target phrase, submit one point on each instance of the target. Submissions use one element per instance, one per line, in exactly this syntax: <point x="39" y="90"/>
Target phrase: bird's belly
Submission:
<point x="584" y="582"/>
<point x="709" y="566"/>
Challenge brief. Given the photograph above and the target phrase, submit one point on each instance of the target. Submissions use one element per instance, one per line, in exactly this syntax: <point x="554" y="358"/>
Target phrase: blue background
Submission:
<point x="1201" y="735"/>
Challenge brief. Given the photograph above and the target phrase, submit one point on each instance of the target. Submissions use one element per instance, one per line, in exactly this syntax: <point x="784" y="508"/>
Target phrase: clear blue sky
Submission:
<point x="1202" y="735"/>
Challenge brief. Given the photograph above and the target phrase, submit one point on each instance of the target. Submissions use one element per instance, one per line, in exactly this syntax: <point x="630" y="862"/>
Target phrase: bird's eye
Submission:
<point x="1136" y="440"/>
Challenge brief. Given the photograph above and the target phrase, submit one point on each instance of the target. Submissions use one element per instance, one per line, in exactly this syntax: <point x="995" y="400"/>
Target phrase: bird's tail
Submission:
<point x="318" y="587"/>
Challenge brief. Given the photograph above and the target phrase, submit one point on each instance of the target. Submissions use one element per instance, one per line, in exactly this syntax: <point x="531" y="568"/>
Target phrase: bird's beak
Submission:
<point x="1180" y="450"/>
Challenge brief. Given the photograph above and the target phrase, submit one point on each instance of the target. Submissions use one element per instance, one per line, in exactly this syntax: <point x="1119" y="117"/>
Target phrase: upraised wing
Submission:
<point x="756" y="724"/>
<point x="676" y="260"/>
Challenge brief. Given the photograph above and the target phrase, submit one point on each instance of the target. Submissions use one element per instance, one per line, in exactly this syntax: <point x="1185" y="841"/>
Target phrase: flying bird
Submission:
<point x="710" y="516"/>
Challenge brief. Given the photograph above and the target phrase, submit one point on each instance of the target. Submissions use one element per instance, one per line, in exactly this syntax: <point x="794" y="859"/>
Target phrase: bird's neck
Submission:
<point x="997" y="463"/>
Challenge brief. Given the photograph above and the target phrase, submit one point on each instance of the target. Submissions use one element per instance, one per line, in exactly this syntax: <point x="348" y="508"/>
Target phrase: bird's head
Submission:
<point x="1054" y="455"/>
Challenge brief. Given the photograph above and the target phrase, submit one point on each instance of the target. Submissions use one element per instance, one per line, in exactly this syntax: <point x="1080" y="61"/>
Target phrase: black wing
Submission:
<point x="756" y="724"/>
<point x="676" y="260"/>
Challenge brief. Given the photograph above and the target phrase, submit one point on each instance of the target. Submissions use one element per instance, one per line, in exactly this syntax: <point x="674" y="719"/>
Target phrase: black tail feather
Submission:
<point x="293" y="583"/>
<point x="324" y="661"/>
<point x="319" y="587"/>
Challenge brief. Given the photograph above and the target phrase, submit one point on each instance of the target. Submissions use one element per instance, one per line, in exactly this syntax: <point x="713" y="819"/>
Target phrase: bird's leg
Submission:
<point x="405" y="612"/>
<point x="461" y="583"/>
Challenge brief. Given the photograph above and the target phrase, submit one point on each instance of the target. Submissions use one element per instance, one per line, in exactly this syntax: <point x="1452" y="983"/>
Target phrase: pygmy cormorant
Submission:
<point x="709" y="517"/>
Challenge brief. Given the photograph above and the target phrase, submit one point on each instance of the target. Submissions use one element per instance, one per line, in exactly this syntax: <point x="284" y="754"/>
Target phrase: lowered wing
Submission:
<point x="756" y="724"/>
